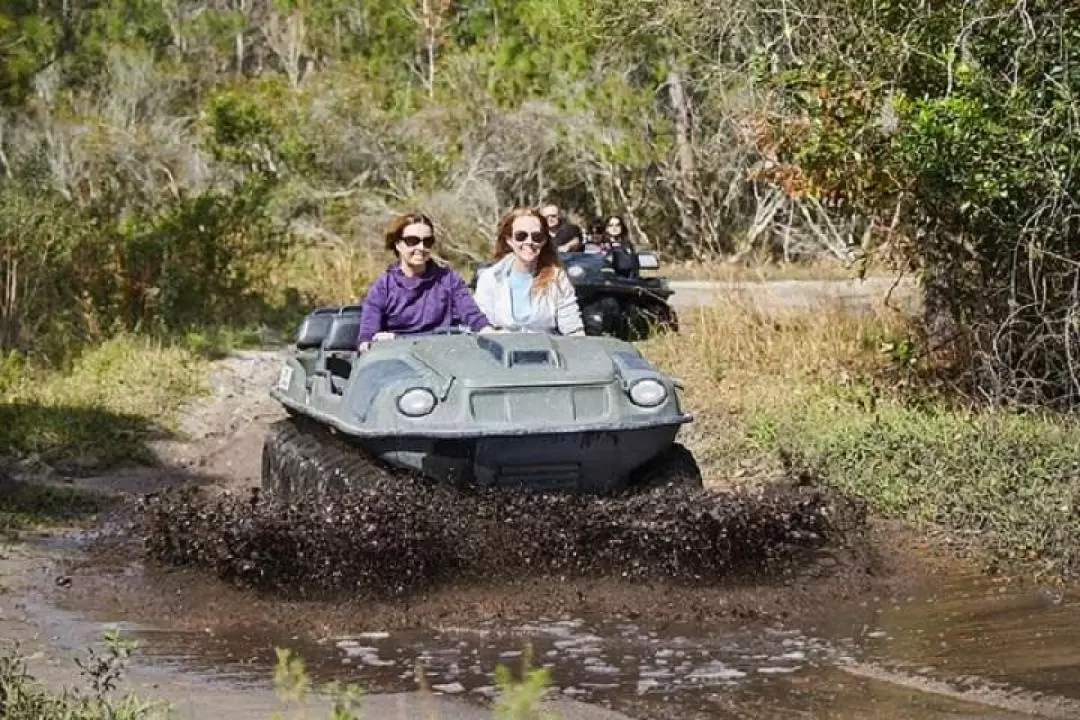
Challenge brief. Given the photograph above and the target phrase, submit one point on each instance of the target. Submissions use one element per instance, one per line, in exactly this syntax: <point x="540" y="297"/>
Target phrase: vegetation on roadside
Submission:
<point x="23" y="698"/>
<point x="103" y="410"/>
<point x="851" y="397"/>
<point x="100" y="412"/>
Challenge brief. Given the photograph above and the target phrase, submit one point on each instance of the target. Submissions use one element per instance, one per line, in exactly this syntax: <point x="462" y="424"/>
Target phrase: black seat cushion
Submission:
<point x="343" y="332"/>
<point x="625" y="263"/>
<point x="314" y="327"/>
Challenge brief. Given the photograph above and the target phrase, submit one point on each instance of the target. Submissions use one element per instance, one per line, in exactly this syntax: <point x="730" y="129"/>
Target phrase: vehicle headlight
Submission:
<point x="416" y="402"/>
<point x="576" y="272"/>
<point x="648" y="393"/>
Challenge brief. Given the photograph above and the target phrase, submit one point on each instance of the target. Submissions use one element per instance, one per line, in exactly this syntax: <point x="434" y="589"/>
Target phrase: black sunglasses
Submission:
<point x="414" y="240"/>
<point x="538" y="238"/>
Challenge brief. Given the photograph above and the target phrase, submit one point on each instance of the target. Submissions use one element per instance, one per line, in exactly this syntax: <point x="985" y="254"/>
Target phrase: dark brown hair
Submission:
<point x="547" y="262"/>
<point x="398" y="224"/>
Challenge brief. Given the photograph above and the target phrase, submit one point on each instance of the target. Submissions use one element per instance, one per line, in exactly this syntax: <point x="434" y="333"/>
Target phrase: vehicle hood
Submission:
<point x="516" y="360"/>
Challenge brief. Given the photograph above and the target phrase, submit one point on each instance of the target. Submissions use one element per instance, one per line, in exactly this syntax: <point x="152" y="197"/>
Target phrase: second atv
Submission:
<point x="614" y="299"/>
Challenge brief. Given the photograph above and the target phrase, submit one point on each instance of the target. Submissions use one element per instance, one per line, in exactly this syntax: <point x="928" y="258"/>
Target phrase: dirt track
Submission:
<point x="799" y="294"/>
<point x="221" y="448"/>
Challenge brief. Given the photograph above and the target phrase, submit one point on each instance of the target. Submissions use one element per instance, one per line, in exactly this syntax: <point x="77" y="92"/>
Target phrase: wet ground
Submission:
<point x="945" y="643"/>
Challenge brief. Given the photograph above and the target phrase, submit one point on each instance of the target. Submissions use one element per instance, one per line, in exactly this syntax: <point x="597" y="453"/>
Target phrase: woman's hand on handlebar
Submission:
<point x="363" y="347"/>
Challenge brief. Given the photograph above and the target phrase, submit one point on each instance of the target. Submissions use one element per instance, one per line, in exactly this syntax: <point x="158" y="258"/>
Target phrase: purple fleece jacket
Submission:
<point x="407" y="305"/>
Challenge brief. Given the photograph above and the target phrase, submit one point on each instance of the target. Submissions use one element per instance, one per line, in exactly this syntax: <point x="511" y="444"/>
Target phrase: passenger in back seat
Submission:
<point x="416" y="294"/>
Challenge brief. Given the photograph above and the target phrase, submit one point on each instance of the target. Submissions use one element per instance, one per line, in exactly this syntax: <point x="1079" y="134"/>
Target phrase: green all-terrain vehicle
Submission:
<point x="544" y="412"/>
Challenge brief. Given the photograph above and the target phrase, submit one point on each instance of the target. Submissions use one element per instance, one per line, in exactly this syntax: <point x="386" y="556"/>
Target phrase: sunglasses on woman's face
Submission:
<point x="538" y="237"/>
<point x="414" y="240"/>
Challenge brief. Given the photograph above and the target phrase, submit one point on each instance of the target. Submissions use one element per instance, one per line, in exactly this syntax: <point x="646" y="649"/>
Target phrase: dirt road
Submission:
<point x="221" y="447"/>
<point x="799" y="294"/>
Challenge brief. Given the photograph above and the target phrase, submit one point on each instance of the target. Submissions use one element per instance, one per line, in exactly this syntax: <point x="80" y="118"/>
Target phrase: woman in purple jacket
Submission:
<point x="415" y="294"/>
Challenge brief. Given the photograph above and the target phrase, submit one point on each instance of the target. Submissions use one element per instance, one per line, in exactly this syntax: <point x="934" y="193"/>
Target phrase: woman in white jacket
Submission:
<point x="527" y="288"/>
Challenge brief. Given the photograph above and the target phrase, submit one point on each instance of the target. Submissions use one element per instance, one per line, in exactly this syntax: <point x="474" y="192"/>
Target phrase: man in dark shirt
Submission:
<point x="565" y="234"/>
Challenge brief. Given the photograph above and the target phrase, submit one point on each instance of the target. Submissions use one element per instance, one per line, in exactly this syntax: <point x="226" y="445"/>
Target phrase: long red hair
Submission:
<point x="547" y="262"/>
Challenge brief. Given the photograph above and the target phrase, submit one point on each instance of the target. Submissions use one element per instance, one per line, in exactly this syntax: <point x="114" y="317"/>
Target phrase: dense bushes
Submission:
<point x="954" y="127"/>
<point x="199" y="162"/>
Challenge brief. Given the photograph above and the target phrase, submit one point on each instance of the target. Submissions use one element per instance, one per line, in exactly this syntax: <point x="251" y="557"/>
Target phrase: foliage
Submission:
<point x="953" y="125"/>
<point x="518" y="700"/>
<point x="521" y="699"/>
<point x="21" y="698"/>
<point x="293" y="685"/>
<point x="112" y="401"/>
<point x="1009" y="480"/>
<point x="165" y="166"/>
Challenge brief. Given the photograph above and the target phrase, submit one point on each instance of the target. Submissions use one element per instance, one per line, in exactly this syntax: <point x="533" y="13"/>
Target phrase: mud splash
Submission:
<point x="397" y="536"/>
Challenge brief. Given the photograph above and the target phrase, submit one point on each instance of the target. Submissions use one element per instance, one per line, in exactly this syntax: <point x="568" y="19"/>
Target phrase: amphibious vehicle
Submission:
<point x="525" y="410"/>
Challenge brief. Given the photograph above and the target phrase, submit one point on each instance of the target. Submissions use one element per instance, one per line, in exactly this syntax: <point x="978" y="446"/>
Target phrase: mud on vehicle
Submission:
<point x="523" y="410"/>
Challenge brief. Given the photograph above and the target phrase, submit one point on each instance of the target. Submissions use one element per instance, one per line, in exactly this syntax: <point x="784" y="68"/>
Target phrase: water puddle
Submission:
<point x="1011" y="644"/>
<point x="964" y="646"/>
<point x="597" y="662"/>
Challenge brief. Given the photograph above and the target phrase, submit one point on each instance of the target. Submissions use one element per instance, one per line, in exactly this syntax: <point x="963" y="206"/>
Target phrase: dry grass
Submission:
<point x="326" y="272"/>
<point x="740" y="363"/>
<point x="844" y="395"/>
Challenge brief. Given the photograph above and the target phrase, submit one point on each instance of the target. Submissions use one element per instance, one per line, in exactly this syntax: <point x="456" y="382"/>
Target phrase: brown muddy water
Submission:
<point x="940" y="642"/>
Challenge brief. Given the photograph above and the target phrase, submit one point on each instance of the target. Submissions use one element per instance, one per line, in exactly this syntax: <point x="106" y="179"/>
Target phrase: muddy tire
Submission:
<point x="301" y="457"/>
<point x="675" y="468"/>
<point x="646" y="320"/>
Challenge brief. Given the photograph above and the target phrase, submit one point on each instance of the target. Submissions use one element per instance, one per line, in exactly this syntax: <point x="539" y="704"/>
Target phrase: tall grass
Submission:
<point x="847" y="395"/>
<point x="103" y="410"/>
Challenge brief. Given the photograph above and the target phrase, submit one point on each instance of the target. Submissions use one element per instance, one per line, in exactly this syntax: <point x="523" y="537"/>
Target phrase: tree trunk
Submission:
<point x="241" y="6"/>
<point x="939" y="307"/>
<point x="685" y="191"/>
<point x="429" y="46"/>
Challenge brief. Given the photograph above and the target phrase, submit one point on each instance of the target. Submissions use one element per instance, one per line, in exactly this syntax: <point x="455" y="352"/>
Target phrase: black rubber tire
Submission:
<point x="673" y="468"/>
<point x="301" y="457"/>
<point x="610" y="313"/>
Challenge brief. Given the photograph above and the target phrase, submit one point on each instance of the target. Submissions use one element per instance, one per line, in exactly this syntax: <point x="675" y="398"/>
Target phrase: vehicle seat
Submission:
<point x="339" y="346"/>
<point x="343" y="331"/>
<point x="313" y="328"/>
<point x="625" y="263"/>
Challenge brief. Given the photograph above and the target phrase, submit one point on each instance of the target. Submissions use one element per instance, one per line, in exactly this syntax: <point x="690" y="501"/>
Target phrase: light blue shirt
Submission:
<point x="521" y="302"/>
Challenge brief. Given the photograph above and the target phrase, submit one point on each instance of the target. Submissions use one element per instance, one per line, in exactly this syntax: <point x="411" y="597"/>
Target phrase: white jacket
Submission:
<point x="556" y="310"/>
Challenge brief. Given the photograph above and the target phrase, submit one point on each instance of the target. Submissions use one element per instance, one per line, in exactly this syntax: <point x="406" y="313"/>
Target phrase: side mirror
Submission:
<point x="647" y="260"/>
